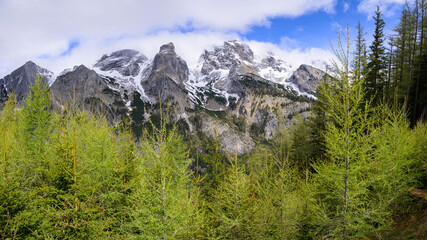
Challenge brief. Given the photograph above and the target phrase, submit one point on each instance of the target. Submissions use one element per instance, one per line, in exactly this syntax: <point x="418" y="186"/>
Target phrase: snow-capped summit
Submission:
<point x="126" y="62"/>
<point x="126" y="67"/>
<point x="275" y="70"/>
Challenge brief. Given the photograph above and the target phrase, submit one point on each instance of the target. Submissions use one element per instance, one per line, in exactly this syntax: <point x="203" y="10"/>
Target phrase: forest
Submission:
<point x="348" y="171"/>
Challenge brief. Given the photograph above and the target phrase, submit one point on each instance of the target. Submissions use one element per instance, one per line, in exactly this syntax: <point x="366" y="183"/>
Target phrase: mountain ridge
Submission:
<point x="253" y="92"/>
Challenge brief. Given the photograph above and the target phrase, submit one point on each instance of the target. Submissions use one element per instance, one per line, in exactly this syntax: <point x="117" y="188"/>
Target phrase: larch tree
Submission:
<point x="163" y="201"/>
<point x="341" y="179"/>
<point x="36" y="128"/>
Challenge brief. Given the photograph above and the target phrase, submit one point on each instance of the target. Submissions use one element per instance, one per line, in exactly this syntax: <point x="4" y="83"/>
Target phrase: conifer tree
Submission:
<point x="35" y="125"/>
<point x="420" y="70"/>
<point x="318" y="121"/>
<point x="347" y="148"/>
<point x="163" y="202"/>
<point x="374" y="83"/>
<point x="12" y="198"/>
<point x="360" y="54"/>
<point x="233" y="205"/>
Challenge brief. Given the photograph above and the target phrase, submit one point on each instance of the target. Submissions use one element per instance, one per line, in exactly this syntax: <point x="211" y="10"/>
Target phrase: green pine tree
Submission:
<point x="374" y="83"/>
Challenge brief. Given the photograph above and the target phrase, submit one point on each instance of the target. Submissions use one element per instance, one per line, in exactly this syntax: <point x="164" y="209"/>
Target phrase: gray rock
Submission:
<point x="307" y="78"/>
<point x="168" y="72"/>
<point x="168" y="63"/>
<point x="20" y="80"/>
<point x="85" y="88"/>
<point x="231" y="54"/>
<point x="3" y="95"/>
<point x="253" y="96"/>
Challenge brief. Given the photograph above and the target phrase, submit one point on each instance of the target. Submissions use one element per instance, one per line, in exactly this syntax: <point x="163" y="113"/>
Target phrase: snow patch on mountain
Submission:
<point x="215" y="75"/>
<point x="127" y="67"/>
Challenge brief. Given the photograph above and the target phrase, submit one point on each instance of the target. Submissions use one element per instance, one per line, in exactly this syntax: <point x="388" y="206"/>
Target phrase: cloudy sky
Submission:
<point x="58" y="34"/>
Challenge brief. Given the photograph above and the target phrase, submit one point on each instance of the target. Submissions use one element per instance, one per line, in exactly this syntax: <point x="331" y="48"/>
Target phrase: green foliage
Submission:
<point x="164" y="203"/>
<point x="35" y="124"/>
<point x="232" y="206"/>
<point x="360" y="54"/>
<point x="420" y="133"/>
<point x="372" y="161"/>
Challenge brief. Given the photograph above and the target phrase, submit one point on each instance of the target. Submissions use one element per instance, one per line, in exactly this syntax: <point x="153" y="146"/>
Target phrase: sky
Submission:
<point x="59" y="34"/>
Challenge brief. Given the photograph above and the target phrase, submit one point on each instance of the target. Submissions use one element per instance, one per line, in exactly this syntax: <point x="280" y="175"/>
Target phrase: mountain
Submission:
<point x="168" y="72"/>
<point x="231" y="94"/>
<point x="125" y="66"/>
<point x="85" y="88"/>
<point x="20" y="80"/>
<point x="306" y="79"/>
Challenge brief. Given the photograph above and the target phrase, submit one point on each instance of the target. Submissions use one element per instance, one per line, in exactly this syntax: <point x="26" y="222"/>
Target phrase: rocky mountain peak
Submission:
<point x="20" y="80"/>
<point x="307" y="78"/>
<point x="166" y="77"/>
<point x="167" y="48"/>
<point x="87" y="89"/>
<point x="230" y="55"/>
<point x="168" y="63"/>
<point x="242" y="50"/>
<point x="30" y="64"/>
<point x="246" y="88"/>
<point x="127" y="62"/>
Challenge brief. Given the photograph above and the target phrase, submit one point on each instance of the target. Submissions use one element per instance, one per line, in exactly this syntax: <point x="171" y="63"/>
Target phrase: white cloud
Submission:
<point x="295" y="57"/>
<point x="387" y="7"/>
<point x="288" y="43"/>
<point x="346" y="6"/>
<point x="189" y="46"/>
<point x="34" y="28"/>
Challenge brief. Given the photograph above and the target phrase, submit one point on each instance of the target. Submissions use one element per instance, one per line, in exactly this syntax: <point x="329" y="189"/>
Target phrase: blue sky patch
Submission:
<point x="71" y="46"/>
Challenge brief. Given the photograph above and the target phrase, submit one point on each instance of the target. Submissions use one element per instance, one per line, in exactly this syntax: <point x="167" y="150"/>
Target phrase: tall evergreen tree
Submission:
<point x="233" y="205"/>
<point x="12" y="197"/>
<point x="419" y="109"/>
<point x="374" y="83"/>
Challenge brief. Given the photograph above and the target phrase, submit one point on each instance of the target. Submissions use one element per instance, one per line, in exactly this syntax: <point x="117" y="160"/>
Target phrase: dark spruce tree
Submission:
<point x="374" y="83"/>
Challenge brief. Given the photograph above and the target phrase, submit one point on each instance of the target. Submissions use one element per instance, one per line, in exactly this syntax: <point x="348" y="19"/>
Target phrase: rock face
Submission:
<point x="307" y="78"/>
<point x="167" y="76"/>
<point x="3" y="94"/>
<point x="218" y="73"/>
<point x="86" y="88"/>
<point x="20" y="80"/>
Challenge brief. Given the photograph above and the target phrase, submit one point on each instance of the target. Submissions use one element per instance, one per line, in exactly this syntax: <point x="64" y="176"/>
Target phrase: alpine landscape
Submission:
<point x="227" y="120"/>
